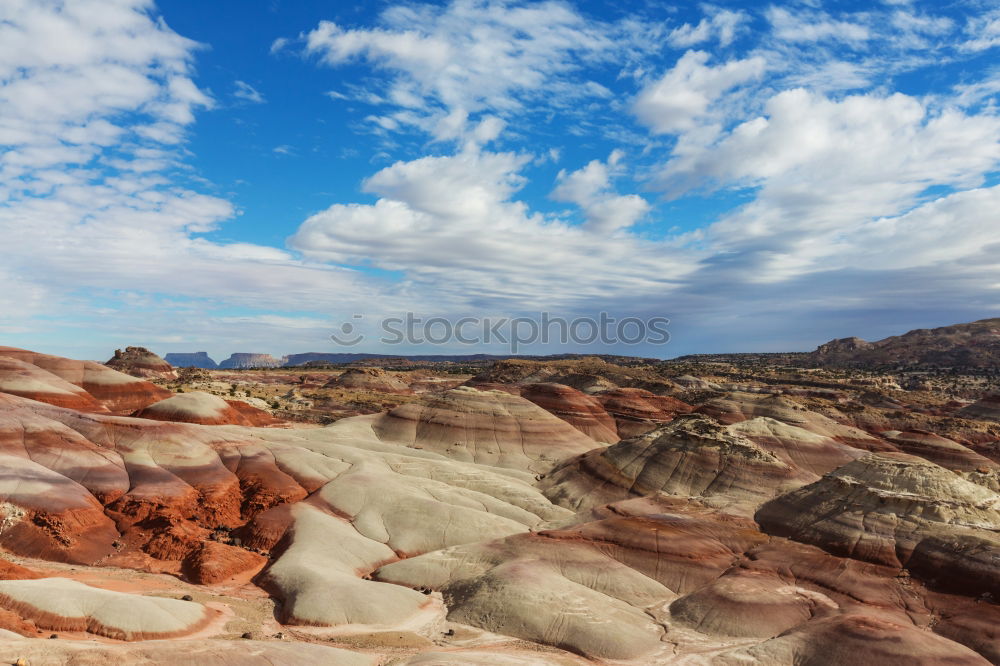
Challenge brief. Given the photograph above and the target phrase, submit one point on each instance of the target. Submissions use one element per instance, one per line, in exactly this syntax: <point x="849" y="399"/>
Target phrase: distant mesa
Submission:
<point x="245" y="361"/>
<point x="191" y="360"/>
<point x="140" y="362"/>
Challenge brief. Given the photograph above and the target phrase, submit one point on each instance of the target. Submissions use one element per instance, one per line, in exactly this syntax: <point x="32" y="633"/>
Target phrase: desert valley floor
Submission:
<point x="524" y="512"/>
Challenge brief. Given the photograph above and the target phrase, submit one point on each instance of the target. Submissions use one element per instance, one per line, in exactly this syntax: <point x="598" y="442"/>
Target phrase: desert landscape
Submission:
<point x="499" y="332"/>
<point x="547" y="511"/>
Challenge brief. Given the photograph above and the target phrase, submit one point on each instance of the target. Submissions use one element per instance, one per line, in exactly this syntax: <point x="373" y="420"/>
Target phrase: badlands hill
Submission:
<point x="550" y="512"/>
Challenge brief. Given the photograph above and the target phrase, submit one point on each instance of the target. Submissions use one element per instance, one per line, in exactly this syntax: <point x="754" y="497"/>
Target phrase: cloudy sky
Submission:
<point x="246" y="175"/>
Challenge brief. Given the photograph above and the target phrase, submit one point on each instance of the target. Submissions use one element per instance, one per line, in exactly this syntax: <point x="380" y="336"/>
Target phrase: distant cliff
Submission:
<point x="192" y="360"/>
<point x="243" y="361"/>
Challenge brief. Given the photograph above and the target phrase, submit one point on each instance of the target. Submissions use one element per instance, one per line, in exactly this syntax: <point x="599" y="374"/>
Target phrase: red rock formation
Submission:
<point x="118" y="392"/>
<point x="29" y="381"/>
<point x="637" y="411"/>
<point x="583" y="412"/>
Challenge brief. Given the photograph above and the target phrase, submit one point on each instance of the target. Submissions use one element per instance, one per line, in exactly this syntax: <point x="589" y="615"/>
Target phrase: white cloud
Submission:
<point x="452" y="224"/>
<point x="590" y="189"/>
<point x="248" y="93"/>
<point x="811" y="26"/>
<point x="682" y="98"/>
<point x="984" y="32"/>
<point x="474" y="56"/>
<point x="826" y="169"/>
<point x="95" y="98"/>
<point x="722" y="23"/>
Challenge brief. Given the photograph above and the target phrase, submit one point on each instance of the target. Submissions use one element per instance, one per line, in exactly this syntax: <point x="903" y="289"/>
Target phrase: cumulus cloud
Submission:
<point x="452" y="224"/>
<point x="590" y="188"/>
<point x="95" y="101"/>
<point x="682" y="98"/>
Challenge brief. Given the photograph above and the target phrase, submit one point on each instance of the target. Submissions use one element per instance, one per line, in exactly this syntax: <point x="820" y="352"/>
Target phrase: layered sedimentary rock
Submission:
<point x="986" y="408"/>
<point x="940" y="450"/>
<point x="205" y="409"/>
<point x="191" y="360"/>
<point x="898" y="510"/>
<point x="648" y="573"/>
<point x="691" y="456"/>
<point x="370" y="379"/>
<point x="29" y="381"/>
<point x="117" y="392"/>
<point x="373" y="533"/>
<point x="140" y="362"/>
<point x="637" y="411"/>
<point x="245" y="361"/>
<point x="583" y="412"/>
<point x="487" y="427"/>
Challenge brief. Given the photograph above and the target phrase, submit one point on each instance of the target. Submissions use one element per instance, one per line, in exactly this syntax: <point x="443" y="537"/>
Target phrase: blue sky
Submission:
<point x="245" y="176"/>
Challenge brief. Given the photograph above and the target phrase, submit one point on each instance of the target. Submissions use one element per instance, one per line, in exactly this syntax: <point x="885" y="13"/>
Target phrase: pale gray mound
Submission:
<point x="197" y="652"/>
<point x="61" y="603"/>
<point x="567" y="594"/>
<point x="318" y="576"/>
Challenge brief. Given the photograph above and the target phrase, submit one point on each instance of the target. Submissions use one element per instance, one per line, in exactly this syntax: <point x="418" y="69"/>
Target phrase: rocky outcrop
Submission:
<point x="369" y="379"/>
<point x="898" y="510"/>
<point x="691" y="456"/>
<point x="191" y="360"/>
<point x="589" y="374"/>
<point x="140" y="362"/>
<point x="246" y="361"/>
<point x="736" y="407"/>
